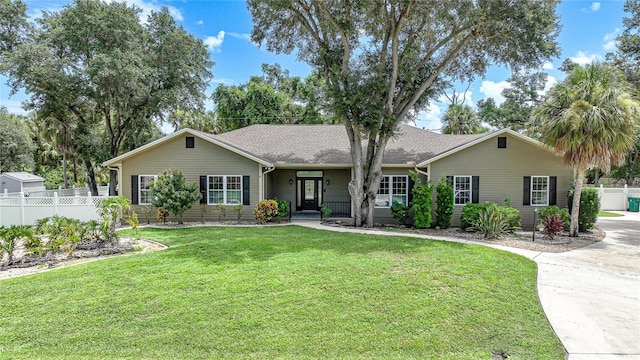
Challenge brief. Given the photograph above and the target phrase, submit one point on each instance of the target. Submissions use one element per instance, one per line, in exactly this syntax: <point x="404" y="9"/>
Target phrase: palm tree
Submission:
<point x="590" y="118"/>
<point x="461" y="119"/>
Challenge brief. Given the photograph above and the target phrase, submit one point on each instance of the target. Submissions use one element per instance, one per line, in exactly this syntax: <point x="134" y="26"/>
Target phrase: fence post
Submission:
<point x="55" y="203"/>
<point x="626" y="198"/>
<point x="21" y="208"/>
<point x="90" y="207"/>
<point x="601" y="192"/>
<point x="6" y="192"/>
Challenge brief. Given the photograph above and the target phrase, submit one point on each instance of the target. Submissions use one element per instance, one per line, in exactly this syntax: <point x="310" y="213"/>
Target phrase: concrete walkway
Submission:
<point x="591" y="296"/>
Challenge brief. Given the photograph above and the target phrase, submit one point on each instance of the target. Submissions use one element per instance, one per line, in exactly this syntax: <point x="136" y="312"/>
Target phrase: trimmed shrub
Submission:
<point x="471" y="214"/>
<point x="444" y="204"/>
<point x="421" y="204"/>
<point x="267" y="210"/>
<point x="400" y="212"/>
<point x="512" y="215"/>
<point x="589" y="208"/>
<point x="283" y="209"/>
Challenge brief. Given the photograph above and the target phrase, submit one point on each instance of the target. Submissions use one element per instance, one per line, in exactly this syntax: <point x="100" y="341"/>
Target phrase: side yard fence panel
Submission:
<point x="23" y="210"/>
<point x="616" y="198"/>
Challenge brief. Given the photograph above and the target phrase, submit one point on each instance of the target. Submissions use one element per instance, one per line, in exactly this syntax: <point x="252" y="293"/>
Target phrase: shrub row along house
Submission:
<point x="310" y="166"/>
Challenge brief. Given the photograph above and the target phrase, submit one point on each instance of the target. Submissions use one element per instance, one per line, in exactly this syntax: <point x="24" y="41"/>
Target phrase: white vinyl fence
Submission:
<point x="23" y="210"/>
<point x="616" y="198"/>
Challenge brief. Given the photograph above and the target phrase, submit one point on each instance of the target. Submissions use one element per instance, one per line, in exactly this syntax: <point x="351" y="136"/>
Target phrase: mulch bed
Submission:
<point x="518" y="239"/>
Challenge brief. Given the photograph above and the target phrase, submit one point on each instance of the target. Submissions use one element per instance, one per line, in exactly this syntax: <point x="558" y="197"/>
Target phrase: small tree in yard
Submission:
<point x="173" y="193"/>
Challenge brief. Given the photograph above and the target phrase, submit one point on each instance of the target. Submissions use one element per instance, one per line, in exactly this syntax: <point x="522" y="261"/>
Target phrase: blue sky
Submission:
<point x="588" y="32"/>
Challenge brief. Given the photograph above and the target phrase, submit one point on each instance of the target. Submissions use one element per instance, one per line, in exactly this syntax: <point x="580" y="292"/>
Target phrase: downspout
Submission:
<point x="421" y="172"/>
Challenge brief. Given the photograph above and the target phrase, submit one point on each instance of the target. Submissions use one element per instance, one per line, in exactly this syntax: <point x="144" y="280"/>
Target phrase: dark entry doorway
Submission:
<point x="309" y="192"/>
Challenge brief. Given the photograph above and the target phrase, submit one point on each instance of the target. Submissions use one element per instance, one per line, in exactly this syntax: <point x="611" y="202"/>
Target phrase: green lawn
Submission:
<point x="608" y="214"/>
<point x="281" y="292"/>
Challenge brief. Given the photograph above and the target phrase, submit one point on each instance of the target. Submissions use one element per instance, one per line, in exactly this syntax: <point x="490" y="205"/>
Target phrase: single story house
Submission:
<point x="24" y="182"/>
<point x="310" y="166"/>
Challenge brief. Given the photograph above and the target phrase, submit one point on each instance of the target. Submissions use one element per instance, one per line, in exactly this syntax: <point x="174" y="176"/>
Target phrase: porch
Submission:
<point x="309" y="191"/>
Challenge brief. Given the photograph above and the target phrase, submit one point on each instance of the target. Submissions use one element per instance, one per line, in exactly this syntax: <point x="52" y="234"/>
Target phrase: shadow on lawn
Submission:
<point x="219" y="245"/>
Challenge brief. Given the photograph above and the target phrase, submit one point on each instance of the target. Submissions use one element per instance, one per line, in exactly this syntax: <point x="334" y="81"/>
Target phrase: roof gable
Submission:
<point x="204" y="136"/>
<point x="483" y="138"/>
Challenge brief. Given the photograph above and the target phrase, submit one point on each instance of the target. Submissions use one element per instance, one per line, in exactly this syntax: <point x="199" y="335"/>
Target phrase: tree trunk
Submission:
<point x="575" y="207"/>
<point x="65" y="183"/>
<point x="75" y="170"/>
<point x="91" y="178"/>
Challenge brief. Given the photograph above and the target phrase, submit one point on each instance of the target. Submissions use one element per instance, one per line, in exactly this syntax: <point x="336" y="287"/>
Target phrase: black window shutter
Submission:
<point x="526" y="191"/>
<point x="246" y="190"/>
<point x="134" y="189"/>
<point x="475" y="189"/>
<point x="190" y="142"/>
<point x="552" y="190"/>
<point x="410" y="191"/>
<point x="203" y="189"/>
<point x="502" y="142"/>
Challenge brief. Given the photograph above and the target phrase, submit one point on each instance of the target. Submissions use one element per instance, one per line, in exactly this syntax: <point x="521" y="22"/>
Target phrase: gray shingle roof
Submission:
<point x="23" y="176"/>
<point x="328" y="144"/>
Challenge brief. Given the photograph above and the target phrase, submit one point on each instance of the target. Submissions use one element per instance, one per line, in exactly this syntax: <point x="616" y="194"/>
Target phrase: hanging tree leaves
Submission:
<point x="95" y="65"/>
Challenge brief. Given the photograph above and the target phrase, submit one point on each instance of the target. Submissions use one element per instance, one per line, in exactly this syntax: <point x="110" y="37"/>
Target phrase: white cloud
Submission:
<point x="584" y="58"/>
<point x="243" y="36"/>
<point x="147" y="7"/>
<point x="223" y="81"/>
<point x="430" y="118"/>
<point x="13" y="107"/>
<point x="548" y="65"/>
<point x="595" y="6"/>
<point x="494" y="90"/>
<point x="199" y="22"/>
<point x="551" y="82"/>
<point x="610" y="40"/>
<point x="214" y="43"/>
<point x="609" y="45"/>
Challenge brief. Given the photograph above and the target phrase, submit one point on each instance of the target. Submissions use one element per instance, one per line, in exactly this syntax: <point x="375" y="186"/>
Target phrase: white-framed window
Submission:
<point x="393" y="188"/>
<point x="144" y="188"/>
<point x="462" y="190"/>
<point x="539" y="190"/>
<point x="224" y="189"/>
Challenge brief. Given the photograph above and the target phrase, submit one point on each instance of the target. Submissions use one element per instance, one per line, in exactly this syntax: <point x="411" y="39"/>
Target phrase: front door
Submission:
<point x="310" y="193"/>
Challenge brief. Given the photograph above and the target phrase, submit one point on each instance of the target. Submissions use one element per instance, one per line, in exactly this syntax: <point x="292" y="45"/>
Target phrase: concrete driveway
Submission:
<point x="592" y="295"/>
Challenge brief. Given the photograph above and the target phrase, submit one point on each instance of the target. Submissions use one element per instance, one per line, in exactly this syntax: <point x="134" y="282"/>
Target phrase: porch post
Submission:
<point x="261" y="184"/>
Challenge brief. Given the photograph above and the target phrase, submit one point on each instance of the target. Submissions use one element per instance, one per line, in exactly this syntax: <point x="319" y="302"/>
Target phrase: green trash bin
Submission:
<point x="634" y="204"/>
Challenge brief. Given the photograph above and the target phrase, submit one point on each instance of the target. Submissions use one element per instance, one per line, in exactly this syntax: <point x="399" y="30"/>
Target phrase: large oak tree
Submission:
<point x="383" y="60"/>
<point x="96" y="65"/>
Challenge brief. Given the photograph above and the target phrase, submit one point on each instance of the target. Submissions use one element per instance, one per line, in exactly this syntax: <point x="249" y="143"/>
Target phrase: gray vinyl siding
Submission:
<point x="204" y="159"/>
<point x="501" y="172"/>
<point x="280" y="188"/>
<point x="10" y="184"/>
